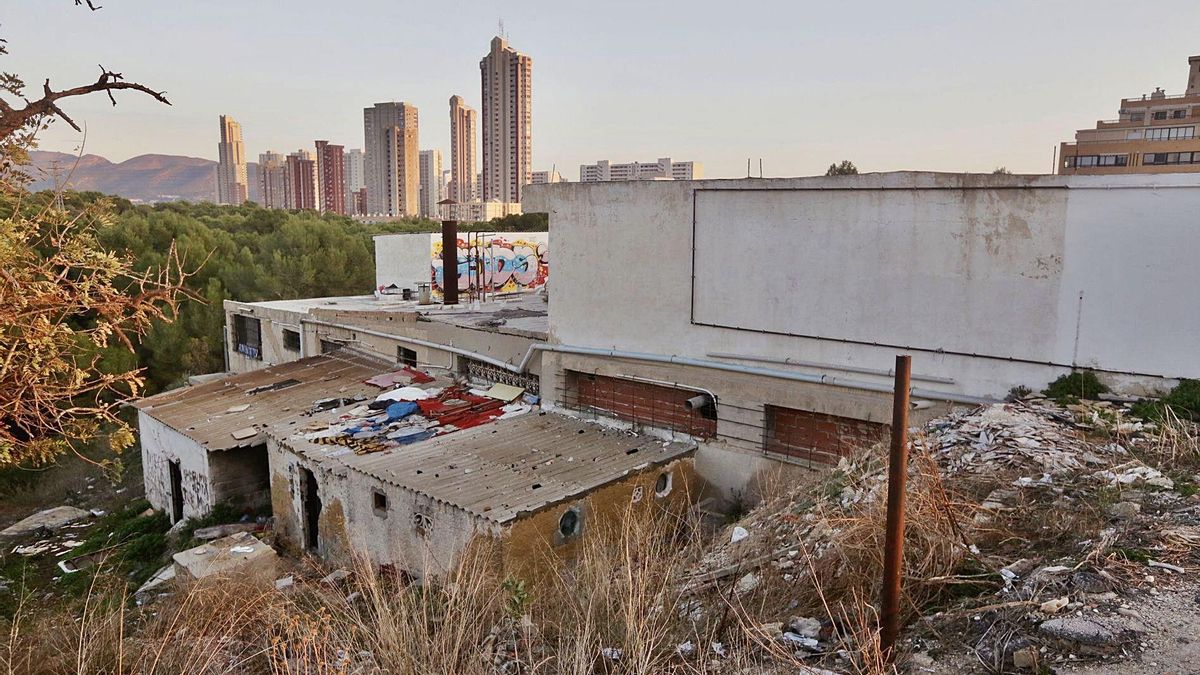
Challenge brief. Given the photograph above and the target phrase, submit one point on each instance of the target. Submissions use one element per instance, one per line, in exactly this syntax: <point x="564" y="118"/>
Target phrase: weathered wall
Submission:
<point x="980" y="277"/>
<point x="350" y="522"/>
<point x="402" y="259"/>
<point x="512" y="261"/>
<point x="532" y="550"/>
<point x="161" y="445"/>
<point x="241" y="476"/>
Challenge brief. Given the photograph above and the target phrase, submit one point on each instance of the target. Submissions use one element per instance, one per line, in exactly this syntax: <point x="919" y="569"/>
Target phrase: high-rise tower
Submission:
<point x="463" y="121"/>
<point x="391" y="164"/>
<point x="232" y="186"/>
<point x="507" y="79"/>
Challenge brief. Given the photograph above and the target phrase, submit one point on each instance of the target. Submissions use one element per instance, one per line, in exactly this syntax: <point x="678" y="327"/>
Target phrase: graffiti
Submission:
<point x="497" y="264"/>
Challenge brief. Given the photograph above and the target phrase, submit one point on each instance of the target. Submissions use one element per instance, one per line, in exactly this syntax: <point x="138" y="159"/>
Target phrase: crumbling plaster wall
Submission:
<point x="350" y="523"/>
<point x="1015" y="252"/>
<point x="272" y="322"/>
<point x="161" y="445"/>
<point x="532" y="550"/>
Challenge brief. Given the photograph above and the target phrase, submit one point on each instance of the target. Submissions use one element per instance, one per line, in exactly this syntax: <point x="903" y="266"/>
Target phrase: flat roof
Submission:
<point x="523" y="313"/>
<point x="212" y="414"/>
<point x="508" y="468"/>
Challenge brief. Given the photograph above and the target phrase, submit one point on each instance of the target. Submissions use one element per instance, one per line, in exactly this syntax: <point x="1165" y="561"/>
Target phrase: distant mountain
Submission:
<point x="146" y="178"/>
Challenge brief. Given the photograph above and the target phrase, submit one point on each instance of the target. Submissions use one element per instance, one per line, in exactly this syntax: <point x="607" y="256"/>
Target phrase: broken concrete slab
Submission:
<point x="241" y="554"/>
<point x="50" y="519"/>
<point x="1081" y="631"/>
<point x="218" y="531"/>
<point x="160" y="579"/>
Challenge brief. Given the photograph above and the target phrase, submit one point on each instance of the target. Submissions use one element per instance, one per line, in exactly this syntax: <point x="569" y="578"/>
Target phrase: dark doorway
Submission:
<point x="312" y="509"/>
<point x="176" y="491"/>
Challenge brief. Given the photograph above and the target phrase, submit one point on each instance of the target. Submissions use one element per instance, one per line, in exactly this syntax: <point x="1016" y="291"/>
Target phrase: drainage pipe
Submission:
<point x="538" y="347"/>
<point x="828" y="366"/>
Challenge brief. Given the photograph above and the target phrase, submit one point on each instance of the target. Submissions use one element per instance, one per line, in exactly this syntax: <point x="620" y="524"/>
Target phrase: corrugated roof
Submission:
<point x="501" y="470"/>
<point x="211" y="413"/>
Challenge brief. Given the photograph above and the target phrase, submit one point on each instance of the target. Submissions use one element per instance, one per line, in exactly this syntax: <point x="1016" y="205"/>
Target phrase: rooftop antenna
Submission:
<point x="501" y="28"/>
<point x="760" y="167"/>
<point x="747" y="167"/>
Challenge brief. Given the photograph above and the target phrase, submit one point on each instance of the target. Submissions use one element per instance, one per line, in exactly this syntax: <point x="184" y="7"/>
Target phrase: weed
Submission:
<point x="1080" y="384"/>
<point x="1017" y="393"/>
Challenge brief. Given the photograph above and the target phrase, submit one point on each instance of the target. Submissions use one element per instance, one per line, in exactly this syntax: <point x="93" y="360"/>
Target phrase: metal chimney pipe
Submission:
<point x="449" y="262"/>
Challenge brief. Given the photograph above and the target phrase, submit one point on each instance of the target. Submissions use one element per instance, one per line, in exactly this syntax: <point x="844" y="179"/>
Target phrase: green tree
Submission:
<point x="846" y="168"/>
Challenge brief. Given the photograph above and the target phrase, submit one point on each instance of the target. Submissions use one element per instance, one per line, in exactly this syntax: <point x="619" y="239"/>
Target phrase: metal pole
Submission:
<point x="893" y="547"/>
<point x="449" y="262"/>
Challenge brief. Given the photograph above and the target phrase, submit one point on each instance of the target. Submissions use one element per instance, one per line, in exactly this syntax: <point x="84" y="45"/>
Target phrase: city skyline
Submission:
<point x="799" y="88"/>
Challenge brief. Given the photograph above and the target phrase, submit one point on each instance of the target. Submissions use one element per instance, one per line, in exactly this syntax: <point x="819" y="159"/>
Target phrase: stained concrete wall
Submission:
<point x="498" y="344"/>
<point x="349" y="522"/>
<point x="991" y="281"/>
<point x="162" y="445"/>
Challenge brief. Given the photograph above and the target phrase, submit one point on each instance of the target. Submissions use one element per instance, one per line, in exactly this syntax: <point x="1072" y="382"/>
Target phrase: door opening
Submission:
<point x="312" y="509"/>
<point x="176" y="491"/>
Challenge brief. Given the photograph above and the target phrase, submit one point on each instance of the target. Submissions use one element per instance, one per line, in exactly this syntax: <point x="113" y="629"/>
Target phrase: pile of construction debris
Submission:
<point x="411" y="409"/>
<point x="1035" y="530"/>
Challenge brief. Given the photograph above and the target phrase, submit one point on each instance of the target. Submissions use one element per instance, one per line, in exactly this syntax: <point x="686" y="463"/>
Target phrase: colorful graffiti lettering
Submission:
<point x="496" y="264"/>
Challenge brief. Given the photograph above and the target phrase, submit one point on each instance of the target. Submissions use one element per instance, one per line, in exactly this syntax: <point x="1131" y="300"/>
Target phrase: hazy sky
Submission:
<point x="948" y="86"/>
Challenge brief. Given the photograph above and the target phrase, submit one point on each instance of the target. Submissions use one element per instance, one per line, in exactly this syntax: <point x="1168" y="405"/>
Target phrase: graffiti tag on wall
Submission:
<point x="497" y="264"/>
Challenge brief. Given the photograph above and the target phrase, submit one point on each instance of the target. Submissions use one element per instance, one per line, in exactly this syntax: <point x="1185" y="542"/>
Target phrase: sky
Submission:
<point x="956" y="86"/>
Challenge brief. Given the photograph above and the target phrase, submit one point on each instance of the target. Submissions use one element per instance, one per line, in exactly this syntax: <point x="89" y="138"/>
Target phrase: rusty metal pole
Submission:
<point x="893" y="546"/>
<point x="449" y="262"/>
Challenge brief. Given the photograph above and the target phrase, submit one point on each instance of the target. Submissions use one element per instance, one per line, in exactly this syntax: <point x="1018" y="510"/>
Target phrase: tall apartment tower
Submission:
<point x="232" y="186"/>
<point x="331" y="178"/>
<point x="272" y="179"/>
<point x="463" y="120"/>
<point x="392" y="174"/>
<point x="431" y="182"/>
<point x="507" y="79"/>
<point x="354" y="178"/>
<point x="300" y="187"/>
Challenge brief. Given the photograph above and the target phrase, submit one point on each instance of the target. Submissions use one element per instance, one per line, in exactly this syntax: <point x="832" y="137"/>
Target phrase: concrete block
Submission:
<point x="241" y="555"/>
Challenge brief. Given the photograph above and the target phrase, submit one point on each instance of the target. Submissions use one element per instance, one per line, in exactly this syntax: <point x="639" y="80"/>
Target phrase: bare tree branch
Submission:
<point x="109" y="81"/>
<point x="90" y="4"/>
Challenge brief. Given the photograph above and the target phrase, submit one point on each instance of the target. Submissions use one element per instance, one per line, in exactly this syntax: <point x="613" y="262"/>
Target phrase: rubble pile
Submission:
<point x="1065" y="521"/>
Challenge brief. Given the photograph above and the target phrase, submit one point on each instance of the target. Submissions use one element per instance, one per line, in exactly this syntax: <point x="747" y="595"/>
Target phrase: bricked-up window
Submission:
<point x="654" y="405"/>
<point x="817" y="437"/>
<point x="247" y="336"/>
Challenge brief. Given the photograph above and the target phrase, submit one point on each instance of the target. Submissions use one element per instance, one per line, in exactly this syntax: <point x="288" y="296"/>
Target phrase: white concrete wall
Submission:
<point x="402" y="259"/>
<point x="979" y="277"/>
<point x="161" y="445"/>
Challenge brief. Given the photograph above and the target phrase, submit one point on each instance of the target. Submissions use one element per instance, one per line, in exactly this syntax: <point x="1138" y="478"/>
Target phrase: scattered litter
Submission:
<point x="404" y="394"/>
<point x="504" y="392"/>
<point x="739" y="533"/>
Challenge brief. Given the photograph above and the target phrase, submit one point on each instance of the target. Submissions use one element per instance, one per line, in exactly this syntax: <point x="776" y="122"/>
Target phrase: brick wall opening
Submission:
<point x="654" y="405"/>
<point x="817" y="437"/>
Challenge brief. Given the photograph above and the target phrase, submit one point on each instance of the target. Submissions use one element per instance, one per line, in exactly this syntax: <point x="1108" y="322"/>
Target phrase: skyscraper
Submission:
<point x="392" y="174"/>
<point x="232" y="187"/>
<point x="507" y="79"/>
<point x="354" y="178"/>
<point x="272" y="180"/>
<point x="463" y="119"/>
<point x="300" y="187"/>
<point x="431" y="182"/>
<point x="331" y="183"/>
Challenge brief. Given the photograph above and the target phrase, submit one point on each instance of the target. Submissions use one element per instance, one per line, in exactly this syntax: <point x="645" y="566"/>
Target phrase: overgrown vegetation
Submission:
<point x="1182" y="401"/>
<point x="1080" y="384"/>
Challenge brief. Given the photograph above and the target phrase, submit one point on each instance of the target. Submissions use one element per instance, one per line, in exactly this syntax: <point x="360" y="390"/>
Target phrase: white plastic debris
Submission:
<point x="611" y="653"/>
<point x="404" y="394"/>
<point x="739" y="533"/>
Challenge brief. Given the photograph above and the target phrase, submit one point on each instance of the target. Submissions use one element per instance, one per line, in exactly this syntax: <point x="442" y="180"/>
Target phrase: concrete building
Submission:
<point x="990" y="282"/>
<point x="391" y="165"/>
<point x="331" y="178"/>
<point x="479" y="212"/>
<point x="664" y="169"/>
<point x="232" y="186"/>
<point x="489" y="264"/>
<point x="1153" y="134"/>
<point x="507" y="79"/>
<point x="353" y="174"/>
<point x="272" y="180"/>
<point x="544" y="177"/>
<point x="301" y="187"/>
<point x="431" y="182"/>
<point x="463" y="165"/>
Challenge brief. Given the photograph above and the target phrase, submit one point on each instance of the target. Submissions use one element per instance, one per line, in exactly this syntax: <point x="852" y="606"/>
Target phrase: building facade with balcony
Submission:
<point x="1156" y="133"/>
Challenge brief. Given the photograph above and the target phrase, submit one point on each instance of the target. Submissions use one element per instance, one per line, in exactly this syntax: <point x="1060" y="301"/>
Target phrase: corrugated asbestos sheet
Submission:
<point x="501" y="470"/>
<point x="221" y="415"/>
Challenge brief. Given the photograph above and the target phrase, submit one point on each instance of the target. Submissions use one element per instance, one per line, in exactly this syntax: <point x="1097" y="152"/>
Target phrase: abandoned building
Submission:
<point x="699" y="333"/>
